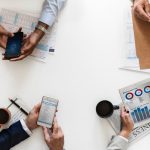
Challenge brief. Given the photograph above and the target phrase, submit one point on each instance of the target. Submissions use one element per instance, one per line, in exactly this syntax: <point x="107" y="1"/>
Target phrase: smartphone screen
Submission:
<point x="13" y="47"/>
<point x="47" y="111"/>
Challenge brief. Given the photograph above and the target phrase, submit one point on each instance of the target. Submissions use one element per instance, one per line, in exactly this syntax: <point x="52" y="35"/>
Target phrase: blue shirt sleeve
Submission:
<point x="50" y="11"/>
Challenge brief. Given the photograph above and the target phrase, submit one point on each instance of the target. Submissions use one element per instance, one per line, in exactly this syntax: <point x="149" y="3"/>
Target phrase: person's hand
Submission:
<point x="54" y="138"/>
<point x="141" y="9"/>
<point x="127" y="123"/>
<point x="31" y="120"/>
<point x="30" y="42"/>
<point x="4" y="34"/>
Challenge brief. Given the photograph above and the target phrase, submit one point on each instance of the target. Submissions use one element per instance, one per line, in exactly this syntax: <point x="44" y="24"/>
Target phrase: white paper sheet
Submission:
<point x="12" y="21"/>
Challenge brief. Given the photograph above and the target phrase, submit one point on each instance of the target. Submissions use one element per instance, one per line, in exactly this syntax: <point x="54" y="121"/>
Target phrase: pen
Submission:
<point x="22" y="110"/>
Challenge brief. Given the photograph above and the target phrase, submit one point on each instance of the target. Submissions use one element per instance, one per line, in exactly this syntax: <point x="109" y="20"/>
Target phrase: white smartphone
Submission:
<point x="47" y="111"/>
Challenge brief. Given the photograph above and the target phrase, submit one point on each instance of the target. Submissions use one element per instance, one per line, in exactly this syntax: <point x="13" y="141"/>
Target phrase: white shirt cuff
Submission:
<point x="125" y="139"/>
<point x="24" y="126"/>
<point x="47" y="18"/>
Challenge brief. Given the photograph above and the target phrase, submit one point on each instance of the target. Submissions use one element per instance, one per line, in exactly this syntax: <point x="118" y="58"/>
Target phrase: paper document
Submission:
<point x="136" y="134"/>
<point x="130" y="61"/>
<point x="142" y="41"/>
<point x="136" y="98"/>
<point x="16" y="114"/>
<point x="12" y="21"/>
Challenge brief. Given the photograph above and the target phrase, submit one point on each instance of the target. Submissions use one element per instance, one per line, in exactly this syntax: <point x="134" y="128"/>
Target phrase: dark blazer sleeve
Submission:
<point x="12" y="136"/>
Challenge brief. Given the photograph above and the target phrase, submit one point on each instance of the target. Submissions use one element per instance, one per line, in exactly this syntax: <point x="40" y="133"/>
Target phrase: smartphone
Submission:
<point x="13" y="47"/>
<point x="47" y="111"/>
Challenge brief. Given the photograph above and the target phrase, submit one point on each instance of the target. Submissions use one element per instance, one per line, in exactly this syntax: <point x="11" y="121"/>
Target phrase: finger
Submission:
<point x="18" y="58"/>
<point x="25" y="37"/>
<point x="4" y="58"/>
<point x="37" y="107"/>
<point x="139" y="11"/>
<point x="21" y="57"/>
<point x="55" y="127"/>
<point x="60" y="130"/>
<point x="3" y="45"/>
<point x="9" y="34"/>
<point x="122" y="111"/>
<point x="26" y="48"/>
<point x="147" y="8"/>
<point x="46" y="134"/>
<point x="127" y="118"/>
<point x="20" y="29"/>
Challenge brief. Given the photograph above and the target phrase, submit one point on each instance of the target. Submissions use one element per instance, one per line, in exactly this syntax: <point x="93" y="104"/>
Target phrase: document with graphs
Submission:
<point x="12" y="21"/>
<point x="136" y="134"/>
<point x="136" y="98"/>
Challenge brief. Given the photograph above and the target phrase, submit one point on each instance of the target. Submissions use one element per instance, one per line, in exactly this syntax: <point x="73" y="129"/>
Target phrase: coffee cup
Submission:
<point x="5" y="116"/>
<point x="105" y="108"/>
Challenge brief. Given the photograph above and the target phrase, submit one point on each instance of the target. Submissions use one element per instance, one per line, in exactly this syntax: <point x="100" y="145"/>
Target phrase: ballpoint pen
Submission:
<point x="21" y="109"/>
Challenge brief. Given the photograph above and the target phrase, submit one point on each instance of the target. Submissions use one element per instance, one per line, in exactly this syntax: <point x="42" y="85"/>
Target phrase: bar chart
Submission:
<point x="141" y="113"/>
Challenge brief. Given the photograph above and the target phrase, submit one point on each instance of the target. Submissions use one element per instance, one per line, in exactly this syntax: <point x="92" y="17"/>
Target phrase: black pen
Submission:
<point x="22" y="110"/>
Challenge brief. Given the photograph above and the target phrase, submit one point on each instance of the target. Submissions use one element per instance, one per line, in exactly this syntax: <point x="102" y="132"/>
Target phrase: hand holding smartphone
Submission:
<point x="47" y="111"/>
<point x="13" y="47"/>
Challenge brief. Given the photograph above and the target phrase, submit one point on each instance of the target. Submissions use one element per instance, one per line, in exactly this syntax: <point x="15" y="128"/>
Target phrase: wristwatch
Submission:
<point x="40" y="27"/>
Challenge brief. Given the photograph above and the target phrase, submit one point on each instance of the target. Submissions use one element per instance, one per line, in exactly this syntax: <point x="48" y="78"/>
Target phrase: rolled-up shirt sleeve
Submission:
<point x="50" y="11"/>
<point x="118" y="143"/>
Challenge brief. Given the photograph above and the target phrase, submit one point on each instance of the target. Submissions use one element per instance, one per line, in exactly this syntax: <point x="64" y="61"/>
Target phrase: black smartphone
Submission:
<point x="13" y="47"/>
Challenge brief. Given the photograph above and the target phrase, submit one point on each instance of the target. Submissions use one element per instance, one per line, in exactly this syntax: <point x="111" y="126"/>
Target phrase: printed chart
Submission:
<point x="137" y="98"/>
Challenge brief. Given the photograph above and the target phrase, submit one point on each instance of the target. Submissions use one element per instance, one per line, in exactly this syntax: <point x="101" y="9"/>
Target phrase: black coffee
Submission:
<point x="4" y="116"/>
<point x="104" y="109"/>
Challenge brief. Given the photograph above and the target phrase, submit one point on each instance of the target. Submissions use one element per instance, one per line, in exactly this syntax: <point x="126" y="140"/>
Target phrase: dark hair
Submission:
<point x="4" y="116"/>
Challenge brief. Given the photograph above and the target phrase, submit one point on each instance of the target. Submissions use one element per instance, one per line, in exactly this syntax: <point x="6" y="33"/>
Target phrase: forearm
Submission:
<point x="39" y="33"/>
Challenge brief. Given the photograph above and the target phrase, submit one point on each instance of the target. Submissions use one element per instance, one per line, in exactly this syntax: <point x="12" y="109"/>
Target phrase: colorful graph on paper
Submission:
<point x="12" y="20"/>
<point x="137" y="98"/>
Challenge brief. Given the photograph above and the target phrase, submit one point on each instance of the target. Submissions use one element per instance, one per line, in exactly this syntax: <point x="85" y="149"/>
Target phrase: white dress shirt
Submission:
<point x="118" y="143"/>
<point x="25" y="128"/>
<point x="50" y="11"/>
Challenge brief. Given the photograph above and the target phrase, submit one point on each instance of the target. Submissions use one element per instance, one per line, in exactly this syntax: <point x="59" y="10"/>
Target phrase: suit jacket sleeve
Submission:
<point x="118" y="143"/>
<point x="12" y="136"/>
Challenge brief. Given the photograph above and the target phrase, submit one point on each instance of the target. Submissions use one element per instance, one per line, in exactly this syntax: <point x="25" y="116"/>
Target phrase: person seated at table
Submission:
<point x="120" y="142"/>
<point x="141" y="9"/>
<point x="49" y="13"/>
<point x="22" y="129"/>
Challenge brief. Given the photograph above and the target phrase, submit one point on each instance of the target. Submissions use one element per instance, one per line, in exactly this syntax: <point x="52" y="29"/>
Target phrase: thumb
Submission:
<point x="46" y="134"/>
<point x="37" y="107"/>
<point x="7" y="33"/>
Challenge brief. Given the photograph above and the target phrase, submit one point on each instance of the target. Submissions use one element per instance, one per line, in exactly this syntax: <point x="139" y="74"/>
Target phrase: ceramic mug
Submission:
<point x="5" y="116"/>
<point x="105" y="108"/>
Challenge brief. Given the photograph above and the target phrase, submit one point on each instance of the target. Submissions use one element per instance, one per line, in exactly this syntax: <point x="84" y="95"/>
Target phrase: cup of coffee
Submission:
<point x="5" y="116"/>
<point x="105" y="109"/>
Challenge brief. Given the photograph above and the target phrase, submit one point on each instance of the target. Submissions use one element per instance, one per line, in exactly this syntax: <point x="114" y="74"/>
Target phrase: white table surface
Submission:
<point x="83" y="71"/>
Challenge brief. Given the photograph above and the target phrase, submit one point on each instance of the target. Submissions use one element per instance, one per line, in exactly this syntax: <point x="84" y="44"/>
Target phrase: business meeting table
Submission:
<point x="90" y="39"/>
